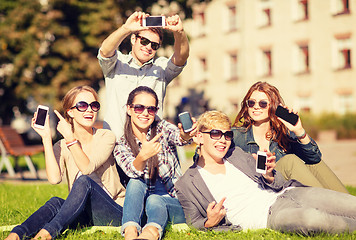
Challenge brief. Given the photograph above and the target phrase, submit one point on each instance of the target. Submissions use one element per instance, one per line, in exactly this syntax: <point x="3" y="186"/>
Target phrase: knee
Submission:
<point x="82" y="182"/>
<point x="155" y="201"/>
<point x="136" y="186"/>
<point x="289" y="162"/>
<point x="55" y="201"/>
<point x="54" y="204"/>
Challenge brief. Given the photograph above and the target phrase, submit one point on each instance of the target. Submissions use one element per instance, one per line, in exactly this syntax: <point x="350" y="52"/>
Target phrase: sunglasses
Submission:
<point x="251" y="103"/>
<point x="144" y="41"/>
<point x="83" y="106"/>
<point x="217" y="134"/>
<point x="139" y="108"/>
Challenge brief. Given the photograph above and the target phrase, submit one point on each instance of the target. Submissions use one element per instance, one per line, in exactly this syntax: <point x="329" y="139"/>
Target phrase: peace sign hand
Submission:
<point x="150" y="148"/>
<point x="64" y="127"/>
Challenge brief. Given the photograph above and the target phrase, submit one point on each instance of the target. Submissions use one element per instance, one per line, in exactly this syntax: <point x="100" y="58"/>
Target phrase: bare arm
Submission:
<point x="113" y="41"/>
<point x="81" y="159"/>
<point x="181" y="44"/>
<point x="52" y="167"/>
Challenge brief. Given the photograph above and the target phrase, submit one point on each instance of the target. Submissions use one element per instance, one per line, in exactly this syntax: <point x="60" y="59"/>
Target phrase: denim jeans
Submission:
<point x="160" y="207"/>
<point x="87" y="204"/>
<point x="311" y="210"/>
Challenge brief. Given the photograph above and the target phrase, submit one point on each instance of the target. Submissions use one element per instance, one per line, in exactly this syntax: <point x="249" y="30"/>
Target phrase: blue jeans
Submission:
<point x="310" y="210"/>
<point x="160" y="207"/>
<point x="87" y="204"/>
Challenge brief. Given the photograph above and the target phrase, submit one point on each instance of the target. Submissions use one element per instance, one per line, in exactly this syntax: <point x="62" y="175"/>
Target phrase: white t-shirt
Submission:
<point x="246" y="203"/>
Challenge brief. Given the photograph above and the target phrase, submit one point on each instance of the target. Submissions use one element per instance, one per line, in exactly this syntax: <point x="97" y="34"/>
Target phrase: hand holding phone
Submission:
<point x="154" y="21"/>
<point x="261" y="162"/>
<point x="41" y="116"/>
<point x="186" y="121"/>
<point x="284" y="113"/>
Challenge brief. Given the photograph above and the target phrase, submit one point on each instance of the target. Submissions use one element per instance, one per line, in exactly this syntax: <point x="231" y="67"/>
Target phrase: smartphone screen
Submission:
<point x="283" y="113"/>
<point x="154" y="21"/>
<point x="41" y="116"/>
<point x="186" y="120"/>
<point x="261" y="162"/>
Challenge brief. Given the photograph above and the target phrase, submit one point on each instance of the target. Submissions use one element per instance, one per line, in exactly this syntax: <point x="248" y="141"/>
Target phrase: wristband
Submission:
<point x="71" y="143"/>
<point x="303" y="135"/>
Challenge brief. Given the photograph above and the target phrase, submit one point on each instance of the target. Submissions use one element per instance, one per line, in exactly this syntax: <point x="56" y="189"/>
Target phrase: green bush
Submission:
<point x="344" y="125"/>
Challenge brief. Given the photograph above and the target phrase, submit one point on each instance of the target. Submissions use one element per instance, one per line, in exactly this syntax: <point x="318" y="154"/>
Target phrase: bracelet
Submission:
<point x="71" y="143"/>
<point x="303" y="135"/>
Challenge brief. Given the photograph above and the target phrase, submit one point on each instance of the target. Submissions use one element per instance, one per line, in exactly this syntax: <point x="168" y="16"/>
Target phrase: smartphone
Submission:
<point x="284" y="113"/>
<point x="42" y="112"/>
<point x="261" y="162"/>
<point x="186" y="121"/>
<point x="154" y="21"/>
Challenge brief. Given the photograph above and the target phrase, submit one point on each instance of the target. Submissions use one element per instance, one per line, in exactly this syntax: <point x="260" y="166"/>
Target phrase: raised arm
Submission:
<point x="52" y="168"/>
<point x="303" y="145"/>
<point x="113" y="41"/>
<point x="81" y="159"/>
<point x="181" y="44"/>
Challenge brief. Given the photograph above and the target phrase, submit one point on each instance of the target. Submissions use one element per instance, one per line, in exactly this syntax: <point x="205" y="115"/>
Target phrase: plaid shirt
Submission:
<point x="168" y="163"/>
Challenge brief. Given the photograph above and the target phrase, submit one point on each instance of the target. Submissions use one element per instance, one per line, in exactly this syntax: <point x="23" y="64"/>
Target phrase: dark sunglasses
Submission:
<point x="251" y="103"/>
<point x="83" y="106"/>
<point x="144" y="41"/>
<point x="217" y="134"/>
<point x="139" y="108"/>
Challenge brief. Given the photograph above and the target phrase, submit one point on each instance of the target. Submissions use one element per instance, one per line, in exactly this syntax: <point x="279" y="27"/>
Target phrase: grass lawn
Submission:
<point x="18" y="201"/>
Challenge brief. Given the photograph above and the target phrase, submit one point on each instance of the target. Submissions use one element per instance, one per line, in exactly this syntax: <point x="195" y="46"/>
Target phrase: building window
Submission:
<point x="264" y="68"/>
<point x="301" y="58"/>
<point x="345" y="103"/>
<point x="342" y="52"/>
<point x="232" y="18"/>
<point x="339" y="7"/>
<point x="300" y="10"/>
<point x="304" y="103"/>
<point x="264" y="13"/>
<point x="231" y="67"/>
<point x="201" y="73"/>
<point x="200" y="24"/>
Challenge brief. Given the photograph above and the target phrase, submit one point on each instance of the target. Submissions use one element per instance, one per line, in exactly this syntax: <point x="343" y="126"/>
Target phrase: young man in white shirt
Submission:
<point x="125" y="72"/>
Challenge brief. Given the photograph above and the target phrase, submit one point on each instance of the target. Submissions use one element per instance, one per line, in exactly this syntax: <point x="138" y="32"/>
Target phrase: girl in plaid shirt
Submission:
<point x="147" y="154"/>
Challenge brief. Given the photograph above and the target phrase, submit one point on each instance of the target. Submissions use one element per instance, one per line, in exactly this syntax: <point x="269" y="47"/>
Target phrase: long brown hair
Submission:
<point x="279" y="131"/>
<point x="130" y="136"/>
<point x="68" y="100"/>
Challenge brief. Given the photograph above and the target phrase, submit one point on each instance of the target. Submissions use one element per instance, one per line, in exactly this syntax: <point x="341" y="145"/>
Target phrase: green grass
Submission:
<point x="18" y="201"/>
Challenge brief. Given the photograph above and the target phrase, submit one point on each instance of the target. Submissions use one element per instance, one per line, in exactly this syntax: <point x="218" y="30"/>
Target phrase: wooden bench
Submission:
<point x="12" y="144"/>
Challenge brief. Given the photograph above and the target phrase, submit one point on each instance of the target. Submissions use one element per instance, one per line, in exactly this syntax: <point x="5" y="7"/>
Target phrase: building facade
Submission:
<point x="306" y="48"/>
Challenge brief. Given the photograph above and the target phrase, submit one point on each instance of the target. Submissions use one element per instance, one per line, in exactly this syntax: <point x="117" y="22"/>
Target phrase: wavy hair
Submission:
<point x="278" y="129"/>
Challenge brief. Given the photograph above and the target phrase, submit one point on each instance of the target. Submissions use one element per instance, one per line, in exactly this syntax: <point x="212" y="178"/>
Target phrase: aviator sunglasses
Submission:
<point x="83" y="106"/>
<point x="217" y="134"/>
<point x="251" y="103"/>
<point x="139" y="108"/>
<point x="144" y="41"/>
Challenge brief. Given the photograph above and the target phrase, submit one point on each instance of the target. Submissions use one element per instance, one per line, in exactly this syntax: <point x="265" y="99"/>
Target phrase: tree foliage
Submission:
<point x="47" y="47"/>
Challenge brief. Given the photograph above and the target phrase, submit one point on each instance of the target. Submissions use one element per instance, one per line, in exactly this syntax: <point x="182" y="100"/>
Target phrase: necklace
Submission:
<point x="268" y="135"/>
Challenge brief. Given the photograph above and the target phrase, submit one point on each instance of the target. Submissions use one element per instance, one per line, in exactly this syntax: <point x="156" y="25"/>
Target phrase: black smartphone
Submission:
<point x="261" y="162"/>
<point x="186" y="121"/>
<point x="284" y="113"/>
<point x="42" y="112"/>
<point x="154" y="21"/>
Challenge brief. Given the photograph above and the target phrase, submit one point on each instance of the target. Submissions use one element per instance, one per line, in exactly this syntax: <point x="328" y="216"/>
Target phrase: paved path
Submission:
<point x="340" y="156"/>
